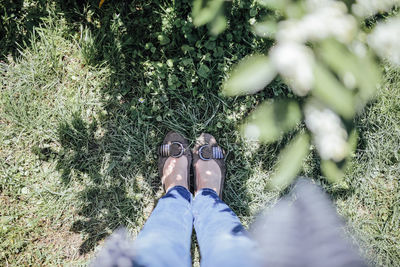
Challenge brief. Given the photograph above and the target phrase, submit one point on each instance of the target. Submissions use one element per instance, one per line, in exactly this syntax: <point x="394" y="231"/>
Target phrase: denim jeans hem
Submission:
<point x="183" y="191"/>
<point x="211" y="191"/>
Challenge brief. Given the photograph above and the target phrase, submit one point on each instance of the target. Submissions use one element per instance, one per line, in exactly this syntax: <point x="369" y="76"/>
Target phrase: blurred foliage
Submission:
<point x="271" y="119"/>
<point x="322" y="52"/>
<point x="209" y="12"/>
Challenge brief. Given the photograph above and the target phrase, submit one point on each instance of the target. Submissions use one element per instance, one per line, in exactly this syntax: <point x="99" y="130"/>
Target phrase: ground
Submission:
<point x="89" y="93"/>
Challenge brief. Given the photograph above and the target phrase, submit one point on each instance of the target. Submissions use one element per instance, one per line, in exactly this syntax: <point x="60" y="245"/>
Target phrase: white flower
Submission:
<point x="295" y="63"/>
<point x="385" y="40"/>
<point x="326" y="18"/>
<point x="330" y="19"/>
<point x="252" y="132"/>
<point x="312" y="5"/>
<point x="292" y="58"/>
<point x="366" y="8"/>
<point x="290" y="31"/>
<point x="330" y="137"/>
<point x="358" y="48"/>
<point x="349" y="80"/>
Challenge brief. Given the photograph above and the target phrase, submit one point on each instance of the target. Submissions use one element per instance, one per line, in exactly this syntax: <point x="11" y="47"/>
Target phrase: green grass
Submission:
<point x="77" y="147"/>
<point x="373" y="207"/>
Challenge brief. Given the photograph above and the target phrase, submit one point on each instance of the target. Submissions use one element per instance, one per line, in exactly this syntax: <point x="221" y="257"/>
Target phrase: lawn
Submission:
<point x="88" y="94"/>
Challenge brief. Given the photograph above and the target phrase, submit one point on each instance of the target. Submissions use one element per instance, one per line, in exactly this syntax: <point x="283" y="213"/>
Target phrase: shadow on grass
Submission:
<point x="18" y="19"/>
<point x="165" y="74"/>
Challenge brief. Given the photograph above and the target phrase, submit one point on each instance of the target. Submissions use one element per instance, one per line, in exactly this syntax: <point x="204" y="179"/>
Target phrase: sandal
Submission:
<point x="206" y="148"/>
<point x="176" y="146"/>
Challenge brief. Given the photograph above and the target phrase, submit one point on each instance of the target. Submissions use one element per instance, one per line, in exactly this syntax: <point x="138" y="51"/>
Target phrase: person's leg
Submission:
<point x="222" y="239"/>
<point x="165" y="238"/>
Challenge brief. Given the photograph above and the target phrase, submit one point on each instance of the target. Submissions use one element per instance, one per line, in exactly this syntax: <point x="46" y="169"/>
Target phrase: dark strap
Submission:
<point x="175" y="150"/>
<point x="207" y="152"/>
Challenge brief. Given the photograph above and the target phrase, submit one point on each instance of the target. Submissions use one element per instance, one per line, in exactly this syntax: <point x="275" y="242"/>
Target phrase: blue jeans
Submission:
<point x="165" y="238"/>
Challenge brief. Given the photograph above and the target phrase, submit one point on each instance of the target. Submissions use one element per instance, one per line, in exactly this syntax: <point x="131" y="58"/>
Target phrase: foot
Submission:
<point x="174" y="161"/>
<point x="175" y="173"/>
<point x="208" y="175"/>
<point x="208" y="164"/>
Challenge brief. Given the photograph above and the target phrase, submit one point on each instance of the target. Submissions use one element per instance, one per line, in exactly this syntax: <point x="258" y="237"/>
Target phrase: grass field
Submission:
<point x="89" y="93"/>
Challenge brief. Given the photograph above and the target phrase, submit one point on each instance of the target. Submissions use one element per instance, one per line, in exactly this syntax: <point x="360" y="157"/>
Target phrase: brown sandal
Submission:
<point x="176" y="146"/>
<point x="206" y="148"/>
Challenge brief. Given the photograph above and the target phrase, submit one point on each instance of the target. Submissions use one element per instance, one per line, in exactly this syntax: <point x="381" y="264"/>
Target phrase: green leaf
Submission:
<point x="265" y="29"/>
<point x="203" y="71"/>
<point x="205" y="13"/>
<point x="290" y="161"/>
<point x="275" y="4"/>
<point x="371" y="77"/>
<point x="352" y="141"/>
<point x="218" y="25"/>
<point x="163" y="39"/>
<point x="362" y="71"/>
<point x="170" y="63"/>
<point x="250" y="76"/>
<point x="331" y="171"/>
<point x="339" y="59"/>
<point x="330" y="91"/>
<point x="271" y="120"/>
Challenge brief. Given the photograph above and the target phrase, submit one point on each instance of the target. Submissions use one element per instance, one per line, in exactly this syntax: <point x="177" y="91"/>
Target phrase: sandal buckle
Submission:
<point x="165" y="150"/>
<point x="201" y="153"/>
<point x="217" y="153"/>
<point x="181" y="147"/>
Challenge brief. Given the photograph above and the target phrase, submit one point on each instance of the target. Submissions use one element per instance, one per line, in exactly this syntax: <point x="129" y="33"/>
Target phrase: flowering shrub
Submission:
<point x="328" y="60"/>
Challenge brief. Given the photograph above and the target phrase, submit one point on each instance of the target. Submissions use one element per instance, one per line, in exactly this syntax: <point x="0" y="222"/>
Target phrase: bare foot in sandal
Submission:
<point x="174" y="161"/>
<point x="208" y="164"/>
<point x="208" y="175"/>
<point x="175" y="173"/>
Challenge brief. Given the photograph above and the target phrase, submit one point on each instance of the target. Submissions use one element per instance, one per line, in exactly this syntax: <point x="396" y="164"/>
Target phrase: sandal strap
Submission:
<point x="207" y="152"/>
<point x="175" y="150"/>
